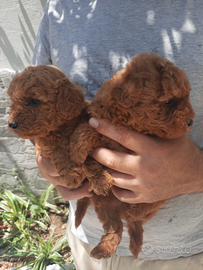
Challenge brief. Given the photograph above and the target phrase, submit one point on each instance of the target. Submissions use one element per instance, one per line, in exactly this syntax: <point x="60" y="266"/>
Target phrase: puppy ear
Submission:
<point x="174" y="81"/>
<point x="70" y="99"/>
<point x="126" y="93"/>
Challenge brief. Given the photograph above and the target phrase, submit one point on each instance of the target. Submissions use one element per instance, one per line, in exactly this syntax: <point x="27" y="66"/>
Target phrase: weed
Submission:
<point x="20" y="220"/>
<point x="45" y="253"/>
<point x="39" y="208"/>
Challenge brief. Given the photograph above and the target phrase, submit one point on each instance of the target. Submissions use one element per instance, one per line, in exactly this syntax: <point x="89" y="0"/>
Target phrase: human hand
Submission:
<point x="50" y="174"/>
<point x="159" y="169"/>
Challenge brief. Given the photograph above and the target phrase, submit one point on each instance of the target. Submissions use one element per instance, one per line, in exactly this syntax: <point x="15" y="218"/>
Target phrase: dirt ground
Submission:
<point x="57" y="224"/>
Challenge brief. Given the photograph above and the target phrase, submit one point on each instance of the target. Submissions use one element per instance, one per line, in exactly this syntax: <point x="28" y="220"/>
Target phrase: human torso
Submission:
<point x="89" y="41"/>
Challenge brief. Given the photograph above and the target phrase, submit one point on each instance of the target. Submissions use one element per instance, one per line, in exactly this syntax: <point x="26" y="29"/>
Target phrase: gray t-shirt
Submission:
<point x="91" y="39"/>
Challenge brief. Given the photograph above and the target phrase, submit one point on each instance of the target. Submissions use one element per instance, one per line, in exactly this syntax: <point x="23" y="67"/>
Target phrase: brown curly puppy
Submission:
<point x="47" y="107"/>
<point x="150" y="96"/>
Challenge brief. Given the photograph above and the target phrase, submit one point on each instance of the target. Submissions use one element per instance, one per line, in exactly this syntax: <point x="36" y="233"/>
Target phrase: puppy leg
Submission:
<point x="99" y="177"/>
<point x="135" y="232"/>
<point x="109" y="216"/>
<point x="82" y="142"/>
<point x="81" y="209"/>
<point x="70" y="173"/>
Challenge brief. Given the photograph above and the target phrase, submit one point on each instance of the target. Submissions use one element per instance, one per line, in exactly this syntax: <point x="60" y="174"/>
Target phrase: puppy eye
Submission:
<point x="34" y="102"/>
<point x="168" y="102"/>
<point x="171" y="103"/>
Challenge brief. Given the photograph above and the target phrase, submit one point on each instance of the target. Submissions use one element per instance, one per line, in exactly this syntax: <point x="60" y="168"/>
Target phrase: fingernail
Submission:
<point x="93" y="122"/>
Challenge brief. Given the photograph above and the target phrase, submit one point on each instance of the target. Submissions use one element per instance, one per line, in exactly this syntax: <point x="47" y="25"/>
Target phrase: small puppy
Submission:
<point x="47" y="107"/>
<point x="150" y="96"/>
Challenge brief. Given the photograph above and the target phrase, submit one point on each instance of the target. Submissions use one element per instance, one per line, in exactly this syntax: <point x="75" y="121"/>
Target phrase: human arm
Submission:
<point x="160" y="169"/>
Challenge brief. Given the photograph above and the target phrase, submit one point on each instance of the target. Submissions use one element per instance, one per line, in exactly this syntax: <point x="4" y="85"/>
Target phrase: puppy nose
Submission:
<point x="189" y="122"/>
<point x="13" y="125"/>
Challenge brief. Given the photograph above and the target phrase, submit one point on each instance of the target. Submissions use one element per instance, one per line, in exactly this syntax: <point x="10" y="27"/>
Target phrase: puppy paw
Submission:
<point x="78" y="156"/>
<point x="102" y="183"/>
<point x="102" y="190"/>
<point x="103" y="251"/>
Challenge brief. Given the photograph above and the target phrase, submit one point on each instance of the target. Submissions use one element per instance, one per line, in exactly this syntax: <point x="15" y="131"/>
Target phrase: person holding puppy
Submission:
<point x="90" y="40"/>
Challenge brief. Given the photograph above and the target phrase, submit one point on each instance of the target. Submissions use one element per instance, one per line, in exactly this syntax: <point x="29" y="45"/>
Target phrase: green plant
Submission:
<point x="39" y="208"/>
<point x="45" y="253"/>
<point x="71" y="263"/>
<point x="15" y="211"/>
<point x="15" y="170"/>
<point x="22" y="219"/>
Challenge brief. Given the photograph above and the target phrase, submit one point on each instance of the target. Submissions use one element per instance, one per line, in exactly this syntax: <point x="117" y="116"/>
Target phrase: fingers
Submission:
<point x="50" y="174"/>
<point x="77" y="194"/>
<point x="46" y="164"/>
<point x="125" y="195"/>
<point x="124" y="187"/>
<point x="47" y="170"/>
<point x="117" y="161"/>
<point x="130" y="139"/>
<point x="123" y="181"/>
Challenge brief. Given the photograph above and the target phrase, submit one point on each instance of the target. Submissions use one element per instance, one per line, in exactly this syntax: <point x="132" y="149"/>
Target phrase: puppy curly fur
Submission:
<point x="150" y="96"/>
<point x="47" y="107"/>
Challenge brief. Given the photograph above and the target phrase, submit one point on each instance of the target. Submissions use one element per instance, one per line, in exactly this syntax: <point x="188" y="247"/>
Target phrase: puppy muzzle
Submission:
<point x="189" y="122"/>
<point x="13" y="125"/>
